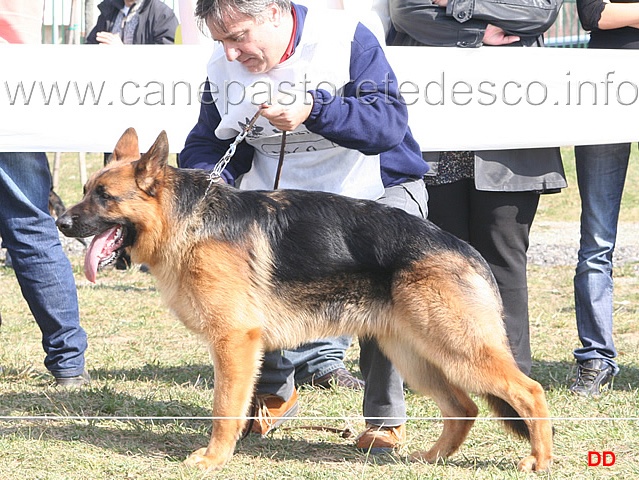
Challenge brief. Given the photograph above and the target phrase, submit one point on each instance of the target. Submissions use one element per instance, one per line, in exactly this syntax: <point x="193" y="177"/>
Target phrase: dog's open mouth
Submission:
<point x="104" y="250"/>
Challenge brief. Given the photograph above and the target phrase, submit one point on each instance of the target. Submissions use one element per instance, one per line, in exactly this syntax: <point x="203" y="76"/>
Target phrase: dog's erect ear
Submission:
<point x="152" y="163"/>
<point x="127" y="146"/>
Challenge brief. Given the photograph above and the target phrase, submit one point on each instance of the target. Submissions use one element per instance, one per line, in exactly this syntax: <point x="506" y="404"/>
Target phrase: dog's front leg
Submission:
<point x="236" y="359"/>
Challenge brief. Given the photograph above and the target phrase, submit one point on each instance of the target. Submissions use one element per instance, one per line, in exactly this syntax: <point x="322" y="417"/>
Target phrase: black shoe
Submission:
<point x="592" y="377"/>
<point x="73" y="382"/>
<point x="339" y="378"/>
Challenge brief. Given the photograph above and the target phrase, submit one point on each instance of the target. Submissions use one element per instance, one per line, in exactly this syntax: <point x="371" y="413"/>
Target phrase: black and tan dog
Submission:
<point x="253" y="271"/>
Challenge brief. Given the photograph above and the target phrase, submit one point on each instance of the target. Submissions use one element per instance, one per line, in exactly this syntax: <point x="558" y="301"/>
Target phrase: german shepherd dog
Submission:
<point x="255" y="271"/>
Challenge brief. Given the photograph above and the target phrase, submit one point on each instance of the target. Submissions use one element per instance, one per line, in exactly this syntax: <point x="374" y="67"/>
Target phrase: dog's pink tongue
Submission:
<point x="94" y="254"/>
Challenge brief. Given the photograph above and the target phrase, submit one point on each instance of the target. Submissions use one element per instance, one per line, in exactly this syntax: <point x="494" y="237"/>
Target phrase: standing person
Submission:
<point x="347" y="134"/>
<point x="145" y="22"/>
<point x="601" y="174"/>
<point x="319" y="363"/>
<point x="488" y="198"/>
<point x="29" y="233"/>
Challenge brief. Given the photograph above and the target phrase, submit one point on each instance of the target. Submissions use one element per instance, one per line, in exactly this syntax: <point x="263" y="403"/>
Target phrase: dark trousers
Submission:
<point x="384" y="390"/>
<point x="497" y="224"/>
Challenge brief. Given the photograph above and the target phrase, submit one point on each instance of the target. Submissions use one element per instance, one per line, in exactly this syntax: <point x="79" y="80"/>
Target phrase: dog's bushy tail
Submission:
<point x="513" y="423"/>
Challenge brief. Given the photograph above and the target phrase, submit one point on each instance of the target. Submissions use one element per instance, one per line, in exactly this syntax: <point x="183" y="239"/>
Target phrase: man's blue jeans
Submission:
<point x="43" y="271"/>
<point x="601" y="174"/>
<point x="283" y="369"/>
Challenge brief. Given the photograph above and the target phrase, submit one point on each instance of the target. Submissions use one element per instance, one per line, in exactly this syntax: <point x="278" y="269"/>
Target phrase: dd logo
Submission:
<point x="605" y="459"/>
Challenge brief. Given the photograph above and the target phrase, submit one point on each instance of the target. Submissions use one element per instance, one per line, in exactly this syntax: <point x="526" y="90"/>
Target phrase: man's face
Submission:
<point x="256" y="45"/>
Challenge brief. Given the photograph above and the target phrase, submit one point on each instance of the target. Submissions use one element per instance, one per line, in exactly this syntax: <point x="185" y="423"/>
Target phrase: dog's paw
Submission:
<point x="532" y="464"/>
<point x="200" y="460"/>
<point x="425" y="456"/>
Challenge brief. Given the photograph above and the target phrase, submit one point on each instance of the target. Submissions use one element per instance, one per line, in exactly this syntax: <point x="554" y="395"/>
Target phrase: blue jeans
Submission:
<point x="43" y="271"/>
<point x="283" y="369"/>
<point x="601" y="174"/>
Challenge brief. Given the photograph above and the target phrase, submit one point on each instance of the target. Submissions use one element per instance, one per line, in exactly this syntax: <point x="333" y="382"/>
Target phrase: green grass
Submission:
<point x="144" y="363"/>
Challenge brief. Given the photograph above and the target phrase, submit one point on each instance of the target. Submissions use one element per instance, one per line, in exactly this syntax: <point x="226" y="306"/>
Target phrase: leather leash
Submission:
<point x="280" y="162"/>
<point x="342" y="432"/>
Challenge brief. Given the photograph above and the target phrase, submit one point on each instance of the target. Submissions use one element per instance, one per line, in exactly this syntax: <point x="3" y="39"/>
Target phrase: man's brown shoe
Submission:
<point x="269" y="412"/>
<point x="339" y="377"/>
<point x="376" y="440"/>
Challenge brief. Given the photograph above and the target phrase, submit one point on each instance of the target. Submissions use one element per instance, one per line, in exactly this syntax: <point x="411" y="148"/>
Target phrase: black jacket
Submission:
<point x="463" y="22"/>
<point x="157" y="22"/>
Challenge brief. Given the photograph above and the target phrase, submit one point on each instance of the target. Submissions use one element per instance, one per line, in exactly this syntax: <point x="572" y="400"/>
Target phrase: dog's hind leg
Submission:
<point x="508" y="389"/>
<point x="495" y="375"/>
<point x="457" y="408"/>
<point x="460" y="330"/>
<point x="236" y="358"/>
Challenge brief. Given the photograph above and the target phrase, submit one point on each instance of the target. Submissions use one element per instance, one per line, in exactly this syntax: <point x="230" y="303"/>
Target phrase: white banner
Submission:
<point x="81" y="98"/>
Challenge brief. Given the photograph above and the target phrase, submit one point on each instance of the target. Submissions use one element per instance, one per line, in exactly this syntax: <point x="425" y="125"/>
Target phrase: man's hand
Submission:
<point x="108" y="38"/>
<point x="496" y="36"/>
<point x="287" y="117"/>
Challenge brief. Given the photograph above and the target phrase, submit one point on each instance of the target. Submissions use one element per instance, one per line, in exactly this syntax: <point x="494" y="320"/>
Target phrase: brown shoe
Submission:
<point x="339" y="378"/>
<point x="269" y="412"/>
<point x="376" y="439"/>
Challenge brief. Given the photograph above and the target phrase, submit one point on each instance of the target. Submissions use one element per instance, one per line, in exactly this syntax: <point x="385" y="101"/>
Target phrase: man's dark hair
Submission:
<point x="221" y="11"/>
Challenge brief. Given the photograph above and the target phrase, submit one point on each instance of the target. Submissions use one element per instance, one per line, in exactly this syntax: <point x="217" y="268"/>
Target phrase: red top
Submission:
<point x="291" y="44"/>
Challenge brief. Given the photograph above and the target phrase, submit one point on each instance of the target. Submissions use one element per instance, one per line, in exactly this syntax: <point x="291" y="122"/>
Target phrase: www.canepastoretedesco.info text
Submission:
<point x="439" y="91"/>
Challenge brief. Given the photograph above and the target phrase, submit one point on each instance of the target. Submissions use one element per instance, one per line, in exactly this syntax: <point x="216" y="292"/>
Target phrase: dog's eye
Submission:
<point x="102" y="193"/>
